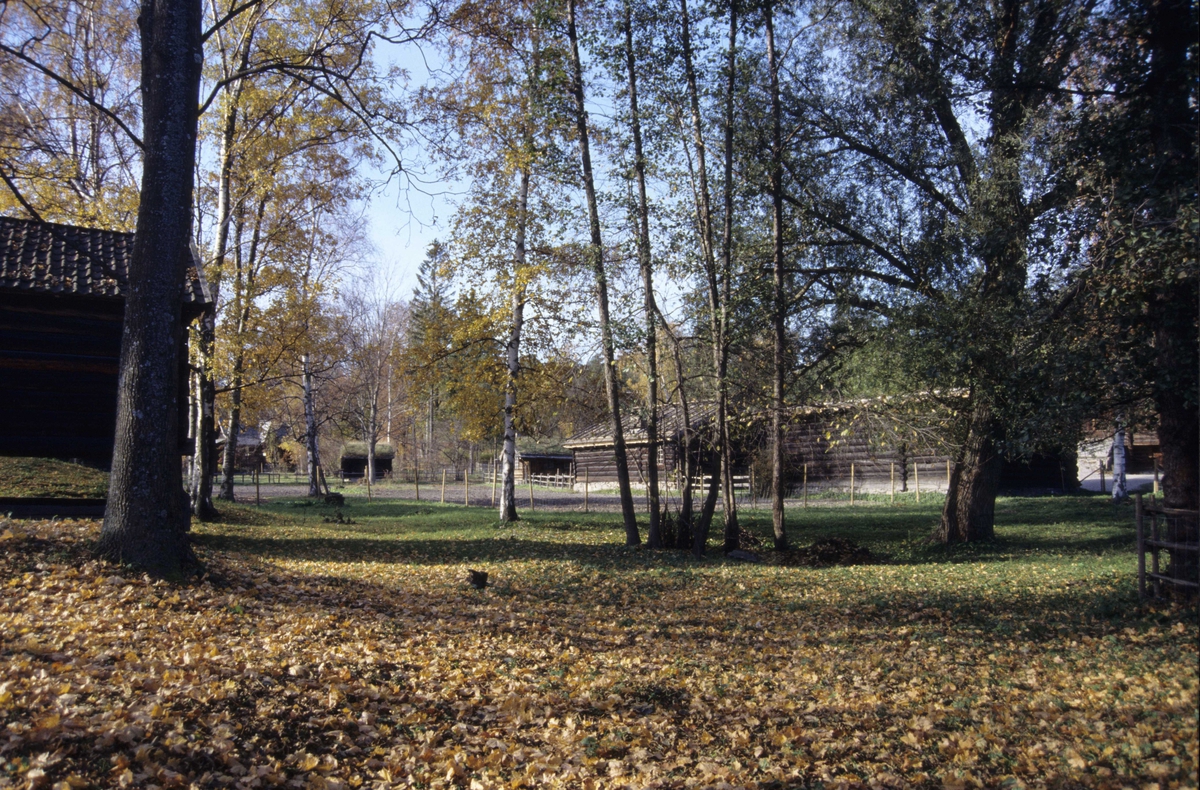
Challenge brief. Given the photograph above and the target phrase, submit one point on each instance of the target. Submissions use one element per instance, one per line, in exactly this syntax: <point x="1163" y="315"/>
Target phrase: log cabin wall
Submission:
<point x="58" y="376"/>
<point x="829" y="460"/>
<point x="601" y="464"/>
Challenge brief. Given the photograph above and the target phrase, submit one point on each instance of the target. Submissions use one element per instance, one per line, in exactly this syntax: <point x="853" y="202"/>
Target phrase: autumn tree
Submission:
<point x="69" y="81"/>
<point x="504" y="130"/>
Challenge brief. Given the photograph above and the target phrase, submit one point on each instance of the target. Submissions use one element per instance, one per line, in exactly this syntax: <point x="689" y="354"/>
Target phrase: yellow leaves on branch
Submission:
<point x="281" y="673"/>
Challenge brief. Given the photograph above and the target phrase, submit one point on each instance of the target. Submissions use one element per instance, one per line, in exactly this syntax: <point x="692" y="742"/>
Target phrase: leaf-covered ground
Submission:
<point x="46" y="477"/>
<point x="325" y="654"/>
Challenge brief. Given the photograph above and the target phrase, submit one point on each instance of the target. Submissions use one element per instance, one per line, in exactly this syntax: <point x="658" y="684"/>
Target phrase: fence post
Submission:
<point x="892" y="473"/>
<point x="531" y="492"/>
<point x="443" y="485"/>
<point x="1101" y="478"/>
<point x="1141" y="549"/>
<point x="852" y="484"/>
<point x="806" y="485"/>
<point x="1154" y="540"/>
<point x="917" y="479"/>
<point x="585" y="489"/>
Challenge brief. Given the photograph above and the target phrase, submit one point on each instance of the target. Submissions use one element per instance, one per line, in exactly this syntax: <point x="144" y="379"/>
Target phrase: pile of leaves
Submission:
<point x="826" y="553"/>
<point x="366" y="661"/>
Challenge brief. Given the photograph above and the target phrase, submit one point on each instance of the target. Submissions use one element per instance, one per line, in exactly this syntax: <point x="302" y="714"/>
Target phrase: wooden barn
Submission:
<point x="821" y="443"/>
<point x="592" y="447"/>
<point x="61" y="307"/>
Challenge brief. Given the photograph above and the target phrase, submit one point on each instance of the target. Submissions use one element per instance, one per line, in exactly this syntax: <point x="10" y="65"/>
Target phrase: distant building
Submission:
<point x="62" y="302"/>
<point x="821" y="442"/>
<point x="353" y="460"/>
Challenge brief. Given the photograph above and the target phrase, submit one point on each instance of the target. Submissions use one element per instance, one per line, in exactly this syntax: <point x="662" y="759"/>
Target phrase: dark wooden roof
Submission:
<point x="49" y="258"/>
<point x="670" y="423"/>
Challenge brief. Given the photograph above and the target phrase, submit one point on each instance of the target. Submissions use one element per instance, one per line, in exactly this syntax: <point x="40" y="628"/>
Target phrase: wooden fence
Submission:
<point x="1174" y="531"/>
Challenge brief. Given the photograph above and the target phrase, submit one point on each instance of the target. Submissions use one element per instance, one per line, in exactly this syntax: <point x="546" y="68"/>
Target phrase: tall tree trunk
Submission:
<point x="1172" y="88"/>
<point x="596" y="254"/>
<point x="703" y="199"/>
<point x="370" y="436"/>
<point x="234" y="427"/>
<point x="969" y="512"/>
<point x="683" y="530"/>
<point x="204" y="459"/>
<point x="146" y="520"/>
<point x="243" y="302"/>
<point x="311" y="446"/>
<point x="512" y="352"/>
<point x="721" y="341"/>
<point x="645" y="265"/>
<point x="779" y="304"/>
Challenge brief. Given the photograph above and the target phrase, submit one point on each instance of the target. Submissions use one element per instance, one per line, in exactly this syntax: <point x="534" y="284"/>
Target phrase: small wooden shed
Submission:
<point x="62" y="303"/>
<point x="353" y="461"/>
<point x="545" y="463"/>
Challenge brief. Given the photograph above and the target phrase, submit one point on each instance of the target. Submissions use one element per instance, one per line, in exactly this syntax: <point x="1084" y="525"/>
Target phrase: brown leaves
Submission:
<point x="286" y="672"/>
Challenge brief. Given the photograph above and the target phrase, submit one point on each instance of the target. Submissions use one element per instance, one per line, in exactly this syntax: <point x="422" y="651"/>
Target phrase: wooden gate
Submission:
<point x="1175" y="531"/>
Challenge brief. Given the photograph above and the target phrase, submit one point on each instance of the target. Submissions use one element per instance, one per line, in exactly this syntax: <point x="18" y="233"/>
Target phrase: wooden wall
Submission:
<point x="829" y="462"/>
<point x="58" y="377"/>
<point x="601" y="464"/>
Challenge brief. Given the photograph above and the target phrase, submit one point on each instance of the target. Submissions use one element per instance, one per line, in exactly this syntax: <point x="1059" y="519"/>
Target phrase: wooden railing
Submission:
<point x="552" y="481"/>
<point x="1172" y="530"/>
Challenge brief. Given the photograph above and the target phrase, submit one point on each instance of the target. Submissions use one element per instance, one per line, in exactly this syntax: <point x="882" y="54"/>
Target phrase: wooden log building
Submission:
<point x="825" y="438"/>
<point x="353" y="460"/>
<point x="62" y="303"/>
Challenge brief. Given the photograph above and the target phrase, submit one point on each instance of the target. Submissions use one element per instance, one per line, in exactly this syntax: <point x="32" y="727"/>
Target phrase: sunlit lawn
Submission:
<point x="320" y="653"/>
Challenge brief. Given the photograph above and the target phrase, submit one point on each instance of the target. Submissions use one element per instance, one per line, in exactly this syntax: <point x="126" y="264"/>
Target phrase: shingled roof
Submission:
<point x="46" y="257"/>
<point x="670" y="423"/>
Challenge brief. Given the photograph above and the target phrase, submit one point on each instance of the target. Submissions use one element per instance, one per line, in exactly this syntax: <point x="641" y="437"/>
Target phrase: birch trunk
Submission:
<point x="512" y="352"/>
<point x="1119" y="490"/>
<point x="721" y="343"/>
<point x="596" y="253"/>
<point x="646" y="267"/>
<point x="779" y="305"/>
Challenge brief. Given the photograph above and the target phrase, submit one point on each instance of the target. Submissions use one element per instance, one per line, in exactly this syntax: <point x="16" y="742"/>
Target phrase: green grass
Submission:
<point x="46" y="477"/>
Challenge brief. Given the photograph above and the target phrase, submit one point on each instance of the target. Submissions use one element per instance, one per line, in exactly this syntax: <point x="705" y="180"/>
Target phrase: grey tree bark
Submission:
<point x="721" y="311"/>
<point x="1119" y="490"/>
<point x="596" y="253"/>
<point x="146" y="520"/>
<point x="779" y="303"/>
<point x="512" y="356"/>
<point x="646" y="267"/>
